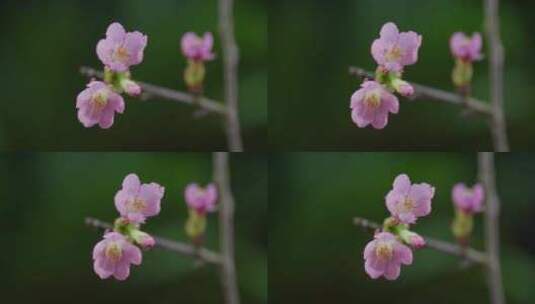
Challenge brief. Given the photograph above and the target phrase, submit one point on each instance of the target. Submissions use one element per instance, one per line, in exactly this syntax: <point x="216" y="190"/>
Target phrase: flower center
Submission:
<point x="384" y="251"/>
<point x="406" y="205"/>
<point x="100" y="99"/>
<point x="114" y="251"/>
<point x="393" y="54"/>
<point x="373" y="99"/>
<point x="121" y="54"/>
<point x="136" y="205"/>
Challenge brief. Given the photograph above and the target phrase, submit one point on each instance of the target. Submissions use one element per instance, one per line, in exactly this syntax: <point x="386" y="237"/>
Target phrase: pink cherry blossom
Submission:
<point x="135" y="201"/>
<point x="371" y="105"/>
<point x="120" y="50"/>
<point x="113" y="255"/>
<point x="407" y="201"/>
<point x="97" y="104"/>
<point x="384" y="256"/>
<point x="470" y="200"/>
<point x="466" y="48"/>
<point x="394" y="50"/>
<point x="197" y="48"/>
<point x="201" y="199"/>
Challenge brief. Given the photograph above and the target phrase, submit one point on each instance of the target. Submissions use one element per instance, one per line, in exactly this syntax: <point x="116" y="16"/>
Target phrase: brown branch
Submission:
<point x="492" y="224"/>
<point x="496" y="58"/>
<point x="429" y="93"/>
<point x="169" y="245"/>
<point x="442" y="246"/>
<point x="151" y="90"/>
<point x="230" y="73"/>
<point x="226" y="228"/>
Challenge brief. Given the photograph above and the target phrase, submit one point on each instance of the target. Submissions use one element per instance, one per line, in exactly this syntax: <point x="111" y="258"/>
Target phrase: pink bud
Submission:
<point x="470" y="200"/>
<point x="146" y="241"/>
<point x="131" y="88"/>
<point x="201" y="199"/>
<point x="466" y="48"/>
<point x="406" y="90"/>
<point x="417" y="241"/>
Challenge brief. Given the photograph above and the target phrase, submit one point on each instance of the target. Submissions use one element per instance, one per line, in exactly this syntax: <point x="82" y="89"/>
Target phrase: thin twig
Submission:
<point x="492" y="224"/>
<point x="151" y="90"/>
<point x="498" y="126"/>
<point x="169" y="245"/>
<point x="442" y="246"/>
<point x="429" y="93"/>
<point x="230" y="74"/>
<point x="226" y="228"/>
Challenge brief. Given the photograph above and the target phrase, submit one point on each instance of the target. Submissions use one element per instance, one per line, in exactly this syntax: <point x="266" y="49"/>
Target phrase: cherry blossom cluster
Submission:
<point x="200" y="201"/>
<point x="99" y="102"/>
<point x="371" y="104"/>
<point x="197" y="50"/>
<point x="120" y="248"/>
<point x="466" y="201"/>
<point x="392" y="244"/>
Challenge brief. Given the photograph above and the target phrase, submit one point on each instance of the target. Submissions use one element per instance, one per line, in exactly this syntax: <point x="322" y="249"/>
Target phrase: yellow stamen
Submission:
<point x="121" y="54"/>
<point x="136" y="205"/>
<point x="114" y="251"/>
<point x="393" y="54"/>
<point x="384" y="250"/>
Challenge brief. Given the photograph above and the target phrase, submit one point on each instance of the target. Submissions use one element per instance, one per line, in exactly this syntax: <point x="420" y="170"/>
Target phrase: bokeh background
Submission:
<point x="315" y="252"/>
<point x="312" y="43"/>
<point x="43" y="44"/>
<point x="46" y="247"/>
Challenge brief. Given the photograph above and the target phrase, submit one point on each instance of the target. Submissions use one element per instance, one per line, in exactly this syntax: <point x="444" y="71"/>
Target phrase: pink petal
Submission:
<point x="402" y="184"/>
<point x="131" y="183"/>
<point x="115" y="32"/>
<point x="389" y="32"/>
<point x="392" y="271"/>
<point x="122" y="271"/>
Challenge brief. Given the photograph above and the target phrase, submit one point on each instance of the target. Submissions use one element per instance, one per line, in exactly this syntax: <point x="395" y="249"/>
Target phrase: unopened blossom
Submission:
<point x="466" y="48"/>
<point x="201" y="199"/>
<point x="371" y="105"/>
<point x="384" y="256"/>
<point x="469" y="200"/>
<point x="121" y="49"/>
<point x="143" y="239"/>
<point x="113" y="256"/>
<point x="412" y="238"/>
<point x="197" y="48"/>
<point x="97" y="104"/>
<point x="131" y="87"/>
<point x="407" y="201"/>
<point x="394" y="50"/>
<point x="135" y="201"/>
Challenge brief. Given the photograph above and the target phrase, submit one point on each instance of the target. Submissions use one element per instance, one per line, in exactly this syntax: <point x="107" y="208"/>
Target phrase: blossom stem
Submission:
<point x="169" y="245"/>
<point x="151" y="90"/>
<point x="442" y="246"/>
<point x="226" y="227"/>
<point x="426" y="92"/>
<point x="230" y="73"/>
<point x="492" y="234"/>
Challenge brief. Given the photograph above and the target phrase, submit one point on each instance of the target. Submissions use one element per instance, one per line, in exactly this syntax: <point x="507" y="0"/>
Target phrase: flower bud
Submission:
<point x="412" y="238"/>
<point x="143" y="239"/>
<point x="130" y="87"/>
<point x="462" y="226"/>
<point x="462" y="73"/>
<point x="402" y="87"/>
<point x="194" y="76"/>
<point x="196" y="224"/>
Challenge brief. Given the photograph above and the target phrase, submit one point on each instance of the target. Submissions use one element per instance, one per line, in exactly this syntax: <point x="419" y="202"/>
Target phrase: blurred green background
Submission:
<point x="43" y="44"/>
<point x="312" y="43"/>
<point x="315" y="252"/>
<point x="46" y="247"/>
